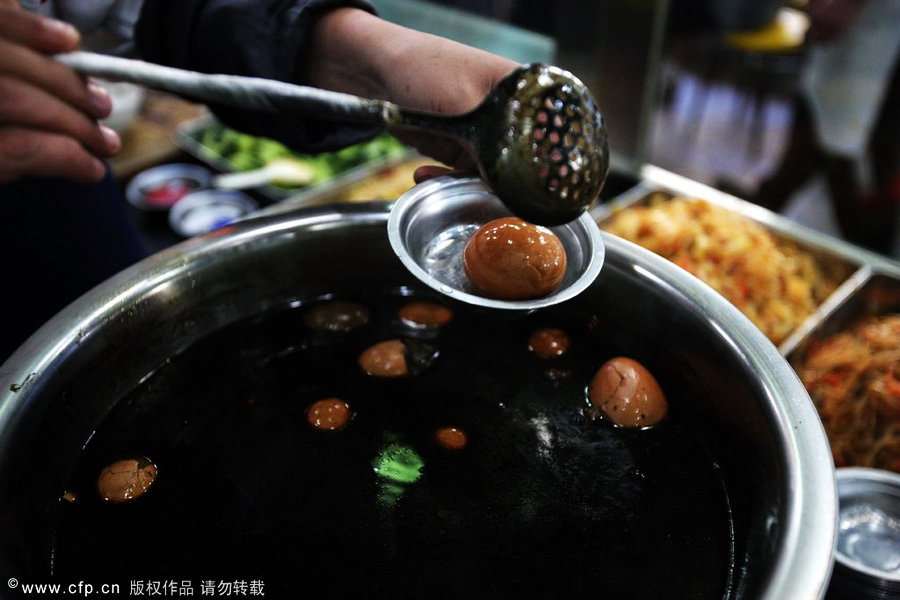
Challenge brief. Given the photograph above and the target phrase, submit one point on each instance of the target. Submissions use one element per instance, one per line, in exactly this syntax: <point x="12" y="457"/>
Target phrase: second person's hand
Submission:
<point x="49" y="115"/>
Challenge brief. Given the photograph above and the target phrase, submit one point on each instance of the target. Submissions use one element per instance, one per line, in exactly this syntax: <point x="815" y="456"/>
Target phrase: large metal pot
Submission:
<point x="770" y="446"/>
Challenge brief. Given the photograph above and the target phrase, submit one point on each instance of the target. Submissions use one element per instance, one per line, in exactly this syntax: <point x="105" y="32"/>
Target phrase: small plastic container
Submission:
<point x="867" y="561"/>
<point x="208" y="210"/>
<point x="159" y="188"/>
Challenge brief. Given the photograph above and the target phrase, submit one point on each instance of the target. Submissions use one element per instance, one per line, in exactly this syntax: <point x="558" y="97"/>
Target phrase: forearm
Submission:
<point x="339" y="54"/>
<point x="356" y="52"/>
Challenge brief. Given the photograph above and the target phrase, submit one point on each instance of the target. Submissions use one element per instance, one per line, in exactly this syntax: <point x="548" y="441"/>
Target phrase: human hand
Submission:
<point x="448" y="78"/>
<point x="48" y="113"/>
<point x="356" y="52"/>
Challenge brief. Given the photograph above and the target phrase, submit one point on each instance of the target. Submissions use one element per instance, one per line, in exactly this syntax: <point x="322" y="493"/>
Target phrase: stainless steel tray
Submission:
<point x="188" y="138"/>
<point x="872" y="283"/>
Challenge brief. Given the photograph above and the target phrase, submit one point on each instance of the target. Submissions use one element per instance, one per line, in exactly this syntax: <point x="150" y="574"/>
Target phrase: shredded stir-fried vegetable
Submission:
<point x="854" y="379"/>
<point x="772" y="281"/>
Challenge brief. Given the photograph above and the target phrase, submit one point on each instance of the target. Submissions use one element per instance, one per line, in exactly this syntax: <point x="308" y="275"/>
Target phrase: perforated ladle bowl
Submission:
<point x="541" y="142"/>
<point x="538" y="138"/>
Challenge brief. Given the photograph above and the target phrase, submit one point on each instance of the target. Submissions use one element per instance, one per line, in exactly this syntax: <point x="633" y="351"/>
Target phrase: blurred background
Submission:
<point x="717" y="91"/>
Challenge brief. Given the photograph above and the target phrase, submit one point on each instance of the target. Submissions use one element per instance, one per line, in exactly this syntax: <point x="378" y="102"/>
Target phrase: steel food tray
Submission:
<point x="188" y="137"/>
<point x="871" y="285"/>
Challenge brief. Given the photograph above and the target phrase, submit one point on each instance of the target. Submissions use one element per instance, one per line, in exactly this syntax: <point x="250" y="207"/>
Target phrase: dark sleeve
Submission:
<point x="259" y="38"/>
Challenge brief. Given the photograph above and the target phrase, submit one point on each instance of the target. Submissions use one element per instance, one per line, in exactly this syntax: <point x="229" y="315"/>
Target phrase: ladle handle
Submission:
<point x="254" y="93"/>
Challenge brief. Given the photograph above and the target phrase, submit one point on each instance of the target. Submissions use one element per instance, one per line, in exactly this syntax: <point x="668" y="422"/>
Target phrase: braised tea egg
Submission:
<point x="512" y="259"/>
<point x="451" y="438"/>
<point x="329" y="414"/>
<point x="397" y="357"/>
<point x="627" y="394"/>
<point x="548" y="342"/>
<point x="385" y="359"/>
<point x="126" y="479"/>
<point x="425" y="314"/>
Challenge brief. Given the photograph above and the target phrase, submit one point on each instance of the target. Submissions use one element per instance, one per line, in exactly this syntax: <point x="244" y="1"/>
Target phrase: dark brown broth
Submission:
<point x="542" y="502"/>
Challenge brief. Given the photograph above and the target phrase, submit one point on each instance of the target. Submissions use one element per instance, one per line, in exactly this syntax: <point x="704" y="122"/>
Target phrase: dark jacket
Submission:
<point x="260" y="38"/>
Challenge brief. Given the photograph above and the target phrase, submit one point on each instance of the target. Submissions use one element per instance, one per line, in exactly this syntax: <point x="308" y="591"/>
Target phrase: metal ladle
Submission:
<point x="538" y="137"/>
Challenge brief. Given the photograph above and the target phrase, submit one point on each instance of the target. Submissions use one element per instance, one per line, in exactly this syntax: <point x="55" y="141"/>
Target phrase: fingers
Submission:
<point x="48" y="113"/>
<point x="429" y="172"/>
<point x="29" y="106"/>
<point x="23" y="55"/>
<point x="54" y="78"/>
<point x="443" y="149"/>
<point x="33" y="152"/>
<point x="41" y="34"/>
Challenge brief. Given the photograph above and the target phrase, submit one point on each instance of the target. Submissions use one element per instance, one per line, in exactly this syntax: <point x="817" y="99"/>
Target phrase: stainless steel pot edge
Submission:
<point x="800" y="572"/>
<point x="812" y="510"/>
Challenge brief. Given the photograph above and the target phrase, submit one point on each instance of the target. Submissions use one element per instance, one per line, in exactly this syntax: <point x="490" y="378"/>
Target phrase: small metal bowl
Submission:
<point x="430" y="225"/>
<point x="867" y="561"/>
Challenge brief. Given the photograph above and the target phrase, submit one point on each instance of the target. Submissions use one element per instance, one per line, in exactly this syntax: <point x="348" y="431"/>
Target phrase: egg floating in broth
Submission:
<point x="329" y="414"/>
<point x="385" y="359"/>
<point x="397" y="358"/>
<point x="425" y="314"/>
<point x="126" y="479"/>
<point x="548" y="342"/>
<point x="451" y="438"/>
<point x="627" y="394"/>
